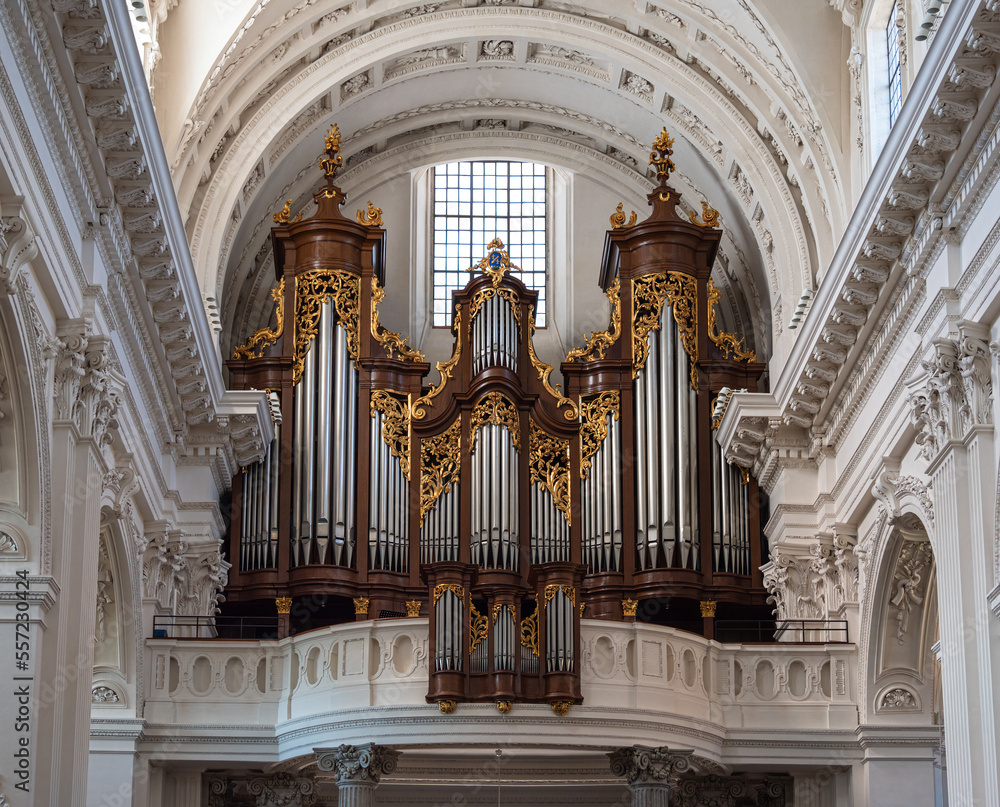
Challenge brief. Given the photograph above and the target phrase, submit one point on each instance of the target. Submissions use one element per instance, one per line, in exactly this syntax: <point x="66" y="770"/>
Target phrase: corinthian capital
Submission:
<point x="937" y="404"/>
<point x="358" y="763"/>
<point x="641" y="765"/>
<point x="977" y="381"/>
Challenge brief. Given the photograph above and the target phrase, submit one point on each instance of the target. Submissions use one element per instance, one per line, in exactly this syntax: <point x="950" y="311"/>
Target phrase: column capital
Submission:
<point x="358" y="763"/>
<point x="641" y="765"/>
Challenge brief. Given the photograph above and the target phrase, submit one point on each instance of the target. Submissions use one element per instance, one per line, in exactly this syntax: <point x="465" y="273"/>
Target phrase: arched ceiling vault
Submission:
<point x="576" y="84"/>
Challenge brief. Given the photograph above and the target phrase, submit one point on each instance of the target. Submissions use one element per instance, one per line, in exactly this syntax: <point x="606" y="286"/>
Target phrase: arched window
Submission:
<point x="475" y="202"/>
<point x="894" y="63"/>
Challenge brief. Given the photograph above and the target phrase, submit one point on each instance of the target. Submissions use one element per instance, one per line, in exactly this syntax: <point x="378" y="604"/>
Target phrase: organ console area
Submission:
<point x="501" y="507"/>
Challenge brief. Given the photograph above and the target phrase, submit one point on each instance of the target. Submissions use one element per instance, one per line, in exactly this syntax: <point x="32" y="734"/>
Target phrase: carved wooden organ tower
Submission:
<point x="493" y="503"/>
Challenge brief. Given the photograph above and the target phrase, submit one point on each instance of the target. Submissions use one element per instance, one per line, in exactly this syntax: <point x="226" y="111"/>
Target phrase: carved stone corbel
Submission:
<point x="17" y="242"/>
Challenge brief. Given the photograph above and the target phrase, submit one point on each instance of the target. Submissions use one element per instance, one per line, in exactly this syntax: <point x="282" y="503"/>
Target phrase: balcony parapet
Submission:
<point x="367" y="681"/>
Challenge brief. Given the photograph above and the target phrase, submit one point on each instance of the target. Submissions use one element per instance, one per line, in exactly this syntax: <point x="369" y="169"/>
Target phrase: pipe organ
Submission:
<point x="498" y="505"/>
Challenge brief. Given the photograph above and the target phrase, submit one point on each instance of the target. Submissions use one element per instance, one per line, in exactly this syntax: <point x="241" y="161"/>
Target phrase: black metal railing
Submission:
<point x="789" y="631"/>
<point x="166" y="626"/>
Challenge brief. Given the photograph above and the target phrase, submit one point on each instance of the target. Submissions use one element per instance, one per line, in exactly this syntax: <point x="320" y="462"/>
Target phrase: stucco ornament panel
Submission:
<point x="282" y="790"/>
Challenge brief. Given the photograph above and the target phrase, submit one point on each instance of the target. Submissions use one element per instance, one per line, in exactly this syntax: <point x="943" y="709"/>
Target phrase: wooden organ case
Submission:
<point x="490" y="501"/>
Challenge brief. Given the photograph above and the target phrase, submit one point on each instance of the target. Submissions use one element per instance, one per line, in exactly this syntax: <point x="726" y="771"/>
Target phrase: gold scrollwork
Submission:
<point x="495" y="263"/>
<point x="446" y="707"/>
<point x="548" y="464"/>
<point x="529" y="632"/>
<point x="497" y="409"/>
<point x="660" y="157"/>
<point x="253" y="348"/>
<point x="332" y="158"/>
<point x="483" y="295"/>
<point x="599" y="342"/>
<point x="726" y="342"/>
<point x="479" y="627"/>
<point x="561" y="708"/>
<point x="389" y="339"/>
<point x="744" y="475"/>
<point x="503" y="707"/>
<point x="440" y="466"/>
<point x="709" y="216"/>
<point x="649" y="293"/>
<point x="371" y="216"/>
<point x="314" y="288"/>
<point x="445" y="368"/>
<point x="284" y="216"/>
<point x="395" y="426"/>
<point x="554" y="588"/>
<point x="544" y="370"/>
<point x="618" y="218"/>
<point x="454" y="588"/>
<point x="496" y="611"/>
<point x="594" y="429"/>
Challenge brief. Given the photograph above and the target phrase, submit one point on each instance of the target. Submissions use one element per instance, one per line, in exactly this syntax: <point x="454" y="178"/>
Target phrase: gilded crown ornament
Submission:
<point x="663" y="148"/>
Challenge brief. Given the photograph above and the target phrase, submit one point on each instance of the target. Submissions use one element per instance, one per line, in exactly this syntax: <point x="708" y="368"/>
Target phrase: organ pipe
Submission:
<point x="346" y="374"/>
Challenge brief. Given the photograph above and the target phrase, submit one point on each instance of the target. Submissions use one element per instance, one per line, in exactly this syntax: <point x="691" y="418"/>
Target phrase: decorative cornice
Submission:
<point x="887" y="241"/>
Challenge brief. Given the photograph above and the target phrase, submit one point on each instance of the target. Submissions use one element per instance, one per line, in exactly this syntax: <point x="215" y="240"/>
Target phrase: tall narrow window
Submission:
<point x="893" y="59"/>
<point x="475" y="202"/>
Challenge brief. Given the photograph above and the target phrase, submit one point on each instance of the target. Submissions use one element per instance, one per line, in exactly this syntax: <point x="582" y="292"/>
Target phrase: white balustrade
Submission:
<point x="645" y="668"/>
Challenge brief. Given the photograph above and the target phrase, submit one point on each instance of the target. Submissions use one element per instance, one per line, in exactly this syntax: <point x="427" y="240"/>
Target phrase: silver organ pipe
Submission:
<point x="439" y="533"/>
<point x="504" y="639"/>
<point x="494" y="336"/>
<point x="495" y="543"/>
<point x="730" y="514"/>
<point x="666" y="454"/>
<point x="559" y="644"/>
<point x="324" y="392"/>
<point x="449" y="613"/>
<point x="388" y="505"/>
<point x="601" y="499"/>
<point x="305" y="443"/>
<point x="549" y="529"/>
<point x="479" y="654"/>
<point x="324" y="440"/>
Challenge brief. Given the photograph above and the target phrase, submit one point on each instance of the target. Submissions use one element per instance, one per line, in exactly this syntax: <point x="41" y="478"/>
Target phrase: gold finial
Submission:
<point x="284" y="216"/>
<point x="561" y="708"/>
<point x="708" y="608"/>
<point x="503" y="707"/>
<point x="413" y="608"/>
<point x="283" y="604"/>
<point x="360" y="606"/>
<point x="663" y="147"/>
<point x="709" y="216"/>
<point x="332" y="159"/>
<point x="618" y="218"/>
<point x="446" y="707"/>
<point x="628" y="606"/>
<point x="371" y="217"/>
